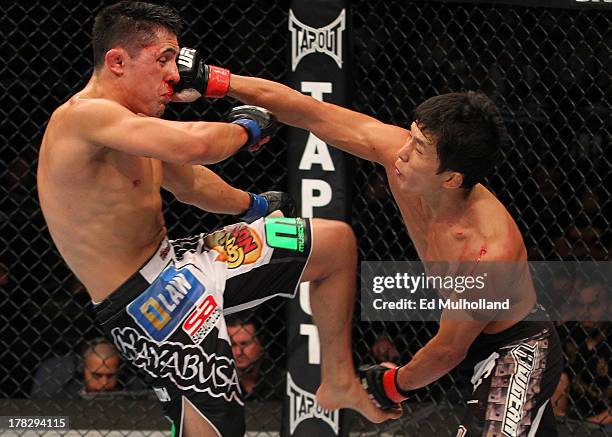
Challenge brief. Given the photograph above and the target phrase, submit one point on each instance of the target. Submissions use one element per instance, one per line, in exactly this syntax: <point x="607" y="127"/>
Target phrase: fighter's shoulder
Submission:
<point x="80" y="118"/>
<point x="500" y="239"/>
<point x="391" y="139"/>
<point x="496" y="227"/>
<point x="94" y="108"/>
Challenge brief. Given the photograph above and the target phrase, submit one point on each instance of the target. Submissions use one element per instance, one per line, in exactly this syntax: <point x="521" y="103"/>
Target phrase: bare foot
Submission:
<point x="353" y="396"/>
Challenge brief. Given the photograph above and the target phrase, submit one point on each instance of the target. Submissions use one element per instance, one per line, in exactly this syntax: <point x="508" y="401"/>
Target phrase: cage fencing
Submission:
<point x="547" y="69"/>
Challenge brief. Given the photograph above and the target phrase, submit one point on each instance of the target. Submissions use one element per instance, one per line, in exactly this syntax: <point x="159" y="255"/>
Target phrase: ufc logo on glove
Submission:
<point x="186" y="56"/>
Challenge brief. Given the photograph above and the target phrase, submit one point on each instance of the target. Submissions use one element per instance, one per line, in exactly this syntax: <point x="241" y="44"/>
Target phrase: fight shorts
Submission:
<point x="168" y="318"/>
<point x="513" y="376"/>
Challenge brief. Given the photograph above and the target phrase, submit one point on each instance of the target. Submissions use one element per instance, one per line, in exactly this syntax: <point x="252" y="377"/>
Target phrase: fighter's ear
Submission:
<point x="452" y="179"/>
<point x="114" y="59"/>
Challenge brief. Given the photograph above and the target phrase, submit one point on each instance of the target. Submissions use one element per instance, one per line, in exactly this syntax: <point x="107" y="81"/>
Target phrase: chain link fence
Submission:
<point x="548" y="70"/>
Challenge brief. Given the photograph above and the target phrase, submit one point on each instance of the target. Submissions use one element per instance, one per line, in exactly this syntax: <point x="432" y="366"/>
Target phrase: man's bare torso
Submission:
<point x="483" y="226"/>
<point x="103" y="207"/>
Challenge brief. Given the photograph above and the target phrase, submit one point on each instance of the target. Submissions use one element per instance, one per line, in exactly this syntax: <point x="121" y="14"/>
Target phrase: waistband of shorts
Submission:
<point x="137" y="283"/>
<point x="532" y="324"/>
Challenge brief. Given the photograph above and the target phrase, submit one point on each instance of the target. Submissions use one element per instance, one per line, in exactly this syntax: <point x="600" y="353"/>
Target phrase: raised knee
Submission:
<point x="346" y="233"/>
<point x="341" y="235"/>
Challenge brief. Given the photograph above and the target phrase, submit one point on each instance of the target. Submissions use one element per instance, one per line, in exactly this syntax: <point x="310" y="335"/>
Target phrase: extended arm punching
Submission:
<point x="348" y="130"/>
<point x="351" y="131"/>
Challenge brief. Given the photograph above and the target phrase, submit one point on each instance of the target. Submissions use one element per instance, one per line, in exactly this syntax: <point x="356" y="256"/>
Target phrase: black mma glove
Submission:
<point x="264" y="203"/>
<point x="258" y="122"/>
<point x="381" y="383"/>
<point x="199" y="79"/>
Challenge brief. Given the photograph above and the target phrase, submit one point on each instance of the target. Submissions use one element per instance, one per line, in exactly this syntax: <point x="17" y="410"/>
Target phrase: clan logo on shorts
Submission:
<point x="160" y="308"/>
<point x="237" y="245"/>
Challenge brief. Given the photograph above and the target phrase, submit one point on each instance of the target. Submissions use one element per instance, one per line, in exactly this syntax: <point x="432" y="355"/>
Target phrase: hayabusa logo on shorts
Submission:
<point x="306" y="40"/>
<point x="188" y="367"/>
<point x="160" y="308"/>
<point x="525" y="357"/>
<point x="303" y="405"/>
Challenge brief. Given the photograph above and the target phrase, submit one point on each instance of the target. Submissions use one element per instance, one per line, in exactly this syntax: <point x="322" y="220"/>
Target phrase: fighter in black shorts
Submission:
<point x="168" y="318"/>
<point x="435" y="165"/>
<point x="513" y="376"/>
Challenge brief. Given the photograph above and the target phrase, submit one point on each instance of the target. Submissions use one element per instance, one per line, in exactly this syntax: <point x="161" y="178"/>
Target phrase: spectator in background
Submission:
<point x="94" y="371"/>
<point x="587" y="347"/>
<point x="259" y="379"/>
<point x="383" y="350"/>
<point x="100" y="366"/>
<point x="585" y="389"/>
<point x="16" y="203"/>
<point x="581" y="243"/>
<point x="584" y="300"/>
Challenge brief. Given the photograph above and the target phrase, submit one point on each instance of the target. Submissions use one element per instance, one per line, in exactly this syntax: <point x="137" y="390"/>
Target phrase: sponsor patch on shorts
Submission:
<point x="236" y="245"/>
<point x="525" y="356"/>
<point x="202" y="319"/>
<point x="286" y="233"/>
<point x="164" y="304"/>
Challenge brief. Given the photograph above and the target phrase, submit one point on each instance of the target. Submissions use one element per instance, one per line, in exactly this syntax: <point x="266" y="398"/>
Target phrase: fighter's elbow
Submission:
<point x="451" y="355"/>
<point x="185" y="197"/>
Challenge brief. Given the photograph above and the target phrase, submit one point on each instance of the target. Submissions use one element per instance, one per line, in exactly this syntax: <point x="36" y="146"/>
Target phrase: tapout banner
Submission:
<point x="319" y="182"/>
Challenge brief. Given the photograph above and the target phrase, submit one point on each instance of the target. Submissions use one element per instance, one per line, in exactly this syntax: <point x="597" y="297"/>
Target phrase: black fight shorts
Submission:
<point x="514" y="374"/>
<point x="168" y="318"/>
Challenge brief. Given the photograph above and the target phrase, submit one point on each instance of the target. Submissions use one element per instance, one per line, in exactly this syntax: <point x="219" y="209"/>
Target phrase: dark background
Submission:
<point x="548" y="70"/>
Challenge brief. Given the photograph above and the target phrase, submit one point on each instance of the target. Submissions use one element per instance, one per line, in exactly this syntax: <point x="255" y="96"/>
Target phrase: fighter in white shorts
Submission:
<point x="168" y="318"/>
<point x="104" y="158"/>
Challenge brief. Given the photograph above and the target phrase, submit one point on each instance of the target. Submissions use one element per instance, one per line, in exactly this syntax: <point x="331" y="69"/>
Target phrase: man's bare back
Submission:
<point x="102" y="206"/>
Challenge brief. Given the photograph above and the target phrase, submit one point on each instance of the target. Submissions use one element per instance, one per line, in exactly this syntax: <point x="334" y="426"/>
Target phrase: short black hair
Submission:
<point x="131" y="25"/>
<point x="468" y="130"/>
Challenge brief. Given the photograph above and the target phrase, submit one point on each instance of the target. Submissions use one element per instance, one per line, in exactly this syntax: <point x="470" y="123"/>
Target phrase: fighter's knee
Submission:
<point x="344" y="235"/>
<point x="338" y="235"/>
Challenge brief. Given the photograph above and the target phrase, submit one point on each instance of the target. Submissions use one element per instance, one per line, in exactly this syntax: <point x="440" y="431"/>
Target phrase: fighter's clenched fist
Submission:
<point x="199" y="79"/>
